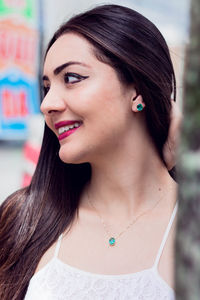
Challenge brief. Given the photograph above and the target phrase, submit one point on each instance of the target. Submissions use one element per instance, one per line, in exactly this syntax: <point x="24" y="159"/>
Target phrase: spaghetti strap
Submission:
<point x="58" y="244"/>
<point x="165" y="236"/>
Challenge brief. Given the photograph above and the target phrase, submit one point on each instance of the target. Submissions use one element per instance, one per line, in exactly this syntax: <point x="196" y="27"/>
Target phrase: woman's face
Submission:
<point x="86" y="95"/>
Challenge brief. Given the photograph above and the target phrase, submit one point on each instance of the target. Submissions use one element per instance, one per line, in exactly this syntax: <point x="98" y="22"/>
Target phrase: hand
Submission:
<point x="171" y="145"/>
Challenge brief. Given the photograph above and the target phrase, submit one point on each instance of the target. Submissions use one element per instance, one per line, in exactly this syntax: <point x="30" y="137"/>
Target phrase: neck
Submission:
<point x="123" y="185"/>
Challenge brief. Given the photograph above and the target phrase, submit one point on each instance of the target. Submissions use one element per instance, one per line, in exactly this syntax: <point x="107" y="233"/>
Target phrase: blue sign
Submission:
<point x="18" y="100"/>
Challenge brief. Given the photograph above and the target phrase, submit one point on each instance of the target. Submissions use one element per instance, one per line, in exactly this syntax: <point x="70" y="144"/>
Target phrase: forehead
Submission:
<point x="69" y="47"/>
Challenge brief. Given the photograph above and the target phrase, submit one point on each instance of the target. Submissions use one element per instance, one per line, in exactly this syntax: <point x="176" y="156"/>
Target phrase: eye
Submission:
<point x="45" y="90"/>
<point x="73" y="78"/>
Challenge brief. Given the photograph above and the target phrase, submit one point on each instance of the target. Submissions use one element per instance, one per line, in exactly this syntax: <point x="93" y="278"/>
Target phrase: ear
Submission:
<point x="138" y="104"/>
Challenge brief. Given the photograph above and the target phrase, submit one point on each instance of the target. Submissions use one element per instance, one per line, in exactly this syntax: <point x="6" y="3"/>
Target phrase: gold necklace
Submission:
<point x="111" y="239"/>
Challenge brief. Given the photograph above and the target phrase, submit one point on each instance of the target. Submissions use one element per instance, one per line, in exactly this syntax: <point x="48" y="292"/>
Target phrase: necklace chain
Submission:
<point x="113" y="239"/>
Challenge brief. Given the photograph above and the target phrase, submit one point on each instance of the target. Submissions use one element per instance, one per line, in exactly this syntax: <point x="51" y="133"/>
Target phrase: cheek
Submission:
<point x="97" y="98"/>
<point x="49" y="123"/>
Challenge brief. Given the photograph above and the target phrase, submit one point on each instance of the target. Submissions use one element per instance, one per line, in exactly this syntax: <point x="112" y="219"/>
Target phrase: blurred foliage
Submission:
<point x="191" y="125"/>
<point x="188" y="224"/>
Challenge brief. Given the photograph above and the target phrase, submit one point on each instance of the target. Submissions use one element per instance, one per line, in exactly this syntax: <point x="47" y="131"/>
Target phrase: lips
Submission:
<point x="66" y="128"/>
<point x="65" y="123"/>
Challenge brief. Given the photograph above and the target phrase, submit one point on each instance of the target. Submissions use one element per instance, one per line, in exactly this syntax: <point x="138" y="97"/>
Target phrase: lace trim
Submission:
<point x="59" y="281"/>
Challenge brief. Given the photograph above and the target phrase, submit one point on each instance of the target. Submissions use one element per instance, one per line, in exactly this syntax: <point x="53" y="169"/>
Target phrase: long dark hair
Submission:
<point x="32" y="219"/>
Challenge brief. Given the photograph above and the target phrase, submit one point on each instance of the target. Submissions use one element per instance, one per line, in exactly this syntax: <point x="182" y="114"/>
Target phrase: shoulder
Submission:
<point x="46" y="258"/>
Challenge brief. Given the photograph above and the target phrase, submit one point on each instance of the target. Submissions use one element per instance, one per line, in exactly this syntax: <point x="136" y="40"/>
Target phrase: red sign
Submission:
<point x="14" y="104"/>
<point x="18" y="46"/>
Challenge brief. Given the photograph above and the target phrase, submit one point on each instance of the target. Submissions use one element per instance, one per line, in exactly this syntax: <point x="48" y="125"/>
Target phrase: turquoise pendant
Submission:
<point x="112" y="241"/>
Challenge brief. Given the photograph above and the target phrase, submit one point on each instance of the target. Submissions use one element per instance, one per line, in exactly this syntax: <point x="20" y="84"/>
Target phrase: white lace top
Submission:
<point x="59" y="281"/>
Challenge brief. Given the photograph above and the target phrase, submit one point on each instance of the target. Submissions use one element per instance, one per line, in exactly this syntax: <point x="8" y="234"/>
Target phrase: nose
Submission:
<point x="53" y="102"/>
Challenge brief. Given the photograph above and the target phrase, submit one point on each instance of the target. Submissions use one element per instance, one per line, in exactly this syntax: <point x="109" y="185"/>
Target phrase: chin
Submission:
<point x="71" y="158"/>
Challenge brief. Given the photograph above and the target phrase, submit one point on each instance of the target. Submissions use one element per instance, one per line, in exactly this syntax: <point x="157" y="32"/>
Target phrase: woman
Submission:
<point x="97" y="220"/>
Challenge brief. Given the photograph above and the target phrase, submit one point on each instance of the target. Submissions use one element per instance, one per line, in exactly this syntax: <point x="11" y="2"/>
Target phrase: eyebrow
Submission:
<point x="65" y="65"/>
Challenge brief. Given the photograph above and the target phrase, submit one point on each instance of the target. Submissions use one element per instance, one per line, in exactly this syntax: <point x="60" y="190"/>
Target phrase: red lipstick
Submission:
<point x="65" y="123"/>
<point x="67" y="133"/>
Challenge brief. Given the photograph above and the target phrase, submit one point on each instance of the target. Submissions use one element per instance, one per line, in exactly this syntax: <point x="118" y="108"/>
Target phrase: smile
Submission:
<point x="66" y="128"/>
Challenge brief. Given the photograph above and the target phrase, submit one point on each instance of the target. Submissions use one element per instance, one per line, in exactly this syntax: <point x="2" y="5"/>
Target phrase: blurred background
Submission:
<point x="25" y="28"/>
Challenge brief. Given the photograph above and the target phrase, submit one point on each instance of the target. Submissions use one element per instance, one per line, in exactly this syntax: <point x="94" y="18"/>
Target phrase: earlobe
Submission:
<point x="138" y="104"/>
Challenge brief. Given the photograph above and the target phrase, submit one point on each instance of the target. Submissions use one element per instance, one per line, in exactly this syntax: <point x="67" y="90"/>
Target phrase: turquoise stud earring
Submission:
<point x="139" y="107"/>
